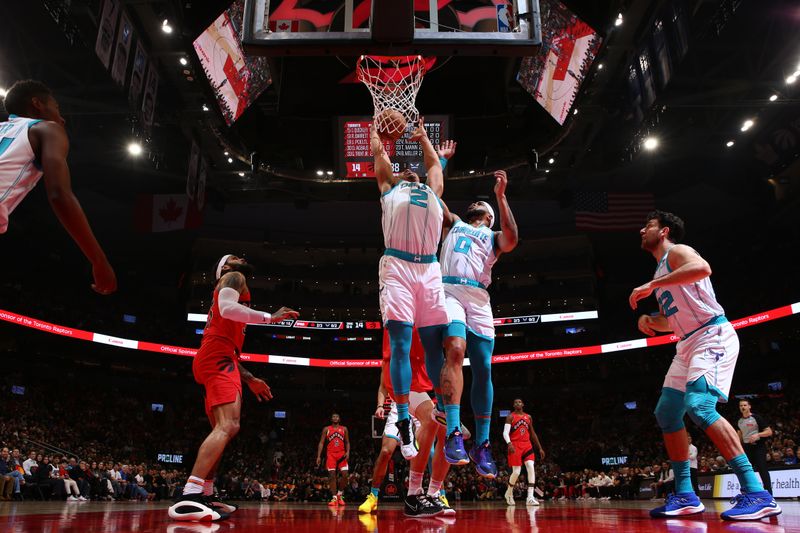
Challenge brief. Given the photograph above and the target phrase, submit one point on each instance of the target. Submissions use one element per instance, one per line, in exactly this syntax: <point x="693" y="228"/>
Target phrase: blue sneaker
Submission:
<point x="679" y="505"/>
<point x="752" y="506"/>
<point x="481" y="455"/>
<point x="454" y="452"/>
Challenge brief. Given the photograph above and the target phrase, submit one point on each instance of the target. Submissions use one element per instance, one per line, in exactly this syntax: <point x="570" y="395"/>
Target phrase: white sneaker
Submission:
<point x="81" y="499"/>
<point x="408" y="439"/>
<point x="510" y="499"/>
<point x="531" y="501"/>
<point x="72" y="499"/>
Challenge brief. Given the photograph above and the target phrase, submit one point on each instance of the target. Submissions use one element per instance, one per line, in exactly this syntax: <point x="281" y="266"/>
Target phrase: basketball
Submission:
<point x="391" y="124"/>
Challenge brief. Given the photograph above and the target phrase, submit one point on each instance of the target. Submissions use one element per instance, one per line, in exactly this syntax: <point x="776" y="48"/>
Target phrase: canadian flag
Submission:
<point x="290" y="26"/>
<point x="165" y="212"/>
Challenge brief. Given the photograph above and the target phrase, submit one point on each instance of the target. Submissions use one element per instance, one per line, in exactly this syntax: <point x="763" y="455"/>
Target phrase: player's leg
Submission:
<point x="516" y="469"/>
<point x="332" y="484"/>
<point x="344" y="475"/>
<point x="480" y="345"/>
<point x="388" y="446"/>
<point x="530" y="470"/>
<point x="208" y="485"/>
<point x="710" y="374"/>
<point x="417" y="503"/>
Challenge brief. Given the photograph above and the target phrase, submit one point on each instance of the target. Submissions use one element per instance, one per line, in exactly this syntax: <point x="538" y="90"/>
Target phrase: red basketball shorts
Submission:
<point x="215" y="368"/>
<point x="521" y="454"/>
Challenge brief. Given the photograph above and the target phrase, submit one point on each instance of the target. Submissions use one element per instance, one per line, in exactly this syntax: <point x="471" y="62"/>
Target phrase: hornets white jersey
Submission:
<point x="468" y="255"/>
<point x="687" y="307"/>
<point x="412" y="222"/>
<point x="19" y="171"/>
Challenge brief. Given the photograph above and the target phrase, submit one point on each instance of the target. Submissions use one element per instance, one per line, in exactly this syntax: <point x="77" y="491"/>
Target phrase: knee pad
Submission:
<point x="400" y="363"/>
<point x="670" y="410"/>
<point x="701" y="403"/>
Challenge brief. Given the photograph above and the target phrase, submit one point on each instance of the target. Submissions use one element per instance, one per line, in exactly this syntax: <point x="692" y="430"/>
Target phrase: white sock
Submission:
<point x="194" y="485"/>
<point x="339" y="493"/>
<point x="208" y="487"/>
<point x="530" y="491"/>
<point x="529" y="466"/>
<point x="434" y="487"/>
<point x="415" y="483"/>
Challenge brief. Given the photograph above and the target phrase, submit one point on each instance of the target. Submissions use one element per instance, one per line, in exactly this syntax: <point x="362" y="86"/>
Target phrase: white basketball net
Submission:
<point x="393" y="82"/>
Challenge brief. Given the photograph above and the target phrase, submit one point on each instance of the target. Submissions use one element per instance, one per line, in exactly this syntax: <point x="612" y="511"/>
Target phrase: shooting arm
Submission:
<point x="383" y="165"/>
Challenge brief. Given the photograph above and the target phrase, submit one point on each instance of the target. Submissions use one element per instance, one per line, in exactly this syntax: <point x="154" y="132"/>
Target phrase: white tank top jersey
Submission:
<point x="468" y="255"/>
<point x="412" y="222"/>
<point x="687" y="307"/>
<point x="19" y="171"/>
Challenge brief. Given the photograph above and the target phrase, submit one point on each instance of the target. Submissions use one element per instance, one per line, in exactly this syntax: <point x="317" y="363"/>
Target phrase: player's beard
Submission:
<point x="245" y="268"/>
<point x="473" y="214"/>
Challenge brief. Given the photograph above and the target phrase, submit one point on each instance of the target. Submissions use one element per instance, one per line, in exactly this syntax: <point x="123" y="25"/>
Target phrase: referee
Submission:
<point x="753" y="429"/>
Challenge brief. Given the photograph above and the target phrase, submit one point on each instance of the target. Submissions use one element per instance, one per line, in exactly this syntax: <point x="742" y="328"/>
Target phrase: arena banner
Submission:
<point x="105" y="31"/>
<point x="785" y="484"/>
<point x="119" y="69"/>
<point x="33" y="323"/>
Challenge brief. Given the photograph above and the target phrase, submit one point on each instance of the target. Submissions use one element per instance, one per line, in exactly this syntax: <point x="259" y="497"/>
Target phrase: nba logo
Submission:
<point x="505" y="18"/>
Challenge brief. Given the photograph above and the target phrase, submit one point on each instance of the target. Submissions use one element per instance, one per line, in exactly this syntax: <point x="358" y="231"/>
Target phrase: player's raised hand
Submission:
<point x="375" y="143"/>
<point x="645" y="325"/>
<point x="284" y="313"/>
<point x="639" y="293"/>
<point x="447" y="149"/>
<point x="260" y="388"/>
<point x="501" y="181"/>
<point x="420" y="132"/>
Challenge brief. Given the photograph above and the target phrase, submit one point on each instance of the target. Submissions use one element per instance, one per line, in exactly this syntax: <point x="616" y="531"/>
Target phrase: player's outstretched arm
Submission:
<point x="509" y="236"/>
<point x="687" y="267"/>
<point x="433" y="166"/>
<point x="383" y="165"/>
<point x="53" y="148"/>
<point x="448" y="219"/>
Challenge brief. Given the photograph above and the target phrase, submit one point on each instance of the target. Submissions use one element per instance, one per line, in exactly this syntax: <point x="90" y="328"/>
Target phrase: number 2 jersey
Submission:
<point x="19" y="170"/>
<point x="687" y="307"/>
<point x="412" y="221"/>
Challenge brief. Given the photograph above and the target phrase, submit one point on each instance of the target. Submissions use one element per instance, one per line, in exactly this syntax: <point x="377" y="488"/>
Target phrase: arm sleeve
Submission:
<point x="231" y="309"/>
<point x="507" y="433"/>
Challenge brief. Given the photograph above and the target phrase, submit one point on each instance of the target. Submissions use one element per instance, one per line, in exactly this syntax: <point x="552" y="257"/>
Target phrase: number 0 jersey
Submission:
<point x="687" y="307"/>
<point x="412" y="222"/>
<point x="19" y="171"/>
<point x="468" y="255"/>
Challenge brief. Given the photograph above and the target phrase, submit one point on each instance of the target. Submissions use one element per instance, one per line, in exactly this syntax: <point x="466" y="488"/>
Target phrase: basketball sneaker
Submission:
<point x="532" y="501"/>
<point x="441" y="418"/>
<point x="421" y="506"/>
<point x="195" y="508"/>
<point x="510" y="496"/>
<point x="334" y="502"/>
<point x="481" y="455"/>
<point x="408" y="438"/>
<point x="679" y="504"/>
<point x="752" y="506"/>
<point x="445" y="505"/>
<point x="454" y="452"/>
<point x="340" y="500"/>
<point x="218" y="504"/>
<point x="370" y="504"/>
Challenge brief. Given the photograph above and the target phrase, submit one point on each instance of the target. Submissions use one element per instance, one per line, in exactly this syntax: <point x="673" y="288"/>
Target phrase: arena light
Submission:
<point x="230" y="160"/>
<point x="226" y="153"/>
<point x="600" y="66"/>
<point x="773" y="97"/>
<point x="472" y="172"/>
<point x="618" y="22"/>
<point x="747" y="125"/>
<point x="183" y="61"/>
<point x="791" y="79"/>
<point x="3" y="92"/>
<point x="575" y="111"/>
<point x="205" y="107"/>
<point x="241" y="174"/>
<point x="165" y="27"/>
<point x="320" y="172"/>
<point x="729" y="144"/>
<point x="135" y="149"/>
<point x="329" y="173"/>
<point x="650" y="143"/>
<point x="551" y="160"/>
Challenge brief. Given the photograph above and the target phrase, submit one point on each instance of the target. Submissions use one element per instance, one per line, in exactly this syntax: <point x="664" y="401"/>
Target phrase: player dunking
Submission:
<point x="701" y="372"/>
<point x="469" y="251"/>
<point x="518" y="433"/>
<point x="336" y="440"/>
<point x="34" y="143"/>
<point x="411" y="292"/>
<point x="216" y="366"/>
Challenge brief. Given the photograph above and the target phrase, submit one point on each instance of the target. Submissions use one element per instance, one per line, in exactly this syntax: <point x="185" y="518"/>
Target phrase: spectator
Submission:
<point x="789" y="458"/>
<point x="29" y="462"/>
<point x="8" y="469"/>
<point x="70" y="485"/>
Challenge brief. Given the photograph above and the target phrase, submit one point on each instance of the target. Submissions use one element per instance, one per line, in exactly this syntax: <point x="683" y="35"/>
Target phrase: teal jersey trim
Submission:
<point x="411" y="258"/>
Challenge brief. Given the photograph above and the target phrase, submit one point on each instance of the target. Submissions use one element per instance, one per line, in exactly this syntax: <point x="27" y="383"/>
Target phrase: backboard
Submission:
<point x="343" y="27"/>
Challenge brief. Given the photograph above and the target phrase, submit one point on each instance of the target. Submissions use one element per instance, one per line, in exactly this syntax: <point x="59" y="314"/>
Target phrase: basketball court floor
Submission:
<point x="597" y="517"/>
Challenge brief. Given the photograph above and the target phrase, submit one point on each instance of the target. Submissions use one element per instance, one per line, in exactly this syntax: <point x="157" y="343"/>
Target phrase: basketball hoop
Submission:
<point x="393" y="82"/>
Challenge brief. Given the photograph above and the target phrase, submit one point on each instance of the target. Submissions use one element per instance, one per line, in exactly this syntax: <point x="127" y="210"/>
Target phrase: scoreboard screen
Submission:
<point x="355" y="158"/>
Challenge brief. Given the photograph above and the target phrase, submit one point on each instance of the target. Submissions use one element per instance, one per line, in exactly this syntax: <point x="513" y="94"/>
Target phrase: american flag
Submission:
<point x="608" y="211"/>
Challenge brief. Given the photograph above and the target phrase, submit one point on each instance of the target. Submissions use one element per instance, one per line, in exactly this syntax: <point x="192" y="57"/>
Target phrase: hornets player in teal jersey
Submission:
<point x="469" y="250"/>
<point x="410" y="281"/>
<point x="701" y="372"/>
<point x="34" y="144"/>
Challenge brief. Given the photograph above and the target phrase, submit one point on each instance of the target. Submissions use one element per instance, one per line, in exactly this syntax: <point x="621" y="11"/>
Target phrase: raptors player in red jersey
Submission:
<point x="216" y="366"/>
<point x="336" y="439"/>
<point x="518" y="432"/>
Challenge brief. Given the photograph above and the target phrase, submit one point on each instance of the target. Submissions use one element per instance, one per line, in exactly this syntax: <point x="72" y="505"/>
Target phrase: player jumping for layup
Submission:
<point x="518" y="433"/>
<point x="411" y="292"/>
<point x="336" y="441"/>
<point x="34" y="143"/>
<point x="701" y="372"/>
<point x="469" y="251"/>
<point x="216" y="366"/>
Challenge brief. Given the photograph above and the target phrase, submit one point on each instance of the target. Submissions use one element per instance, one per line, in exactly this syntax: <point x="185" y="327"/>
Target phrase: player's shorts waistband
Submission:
<point x="411" y="258"/>
<point x="455" y="280"/>
<point x="719" y="319"/>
